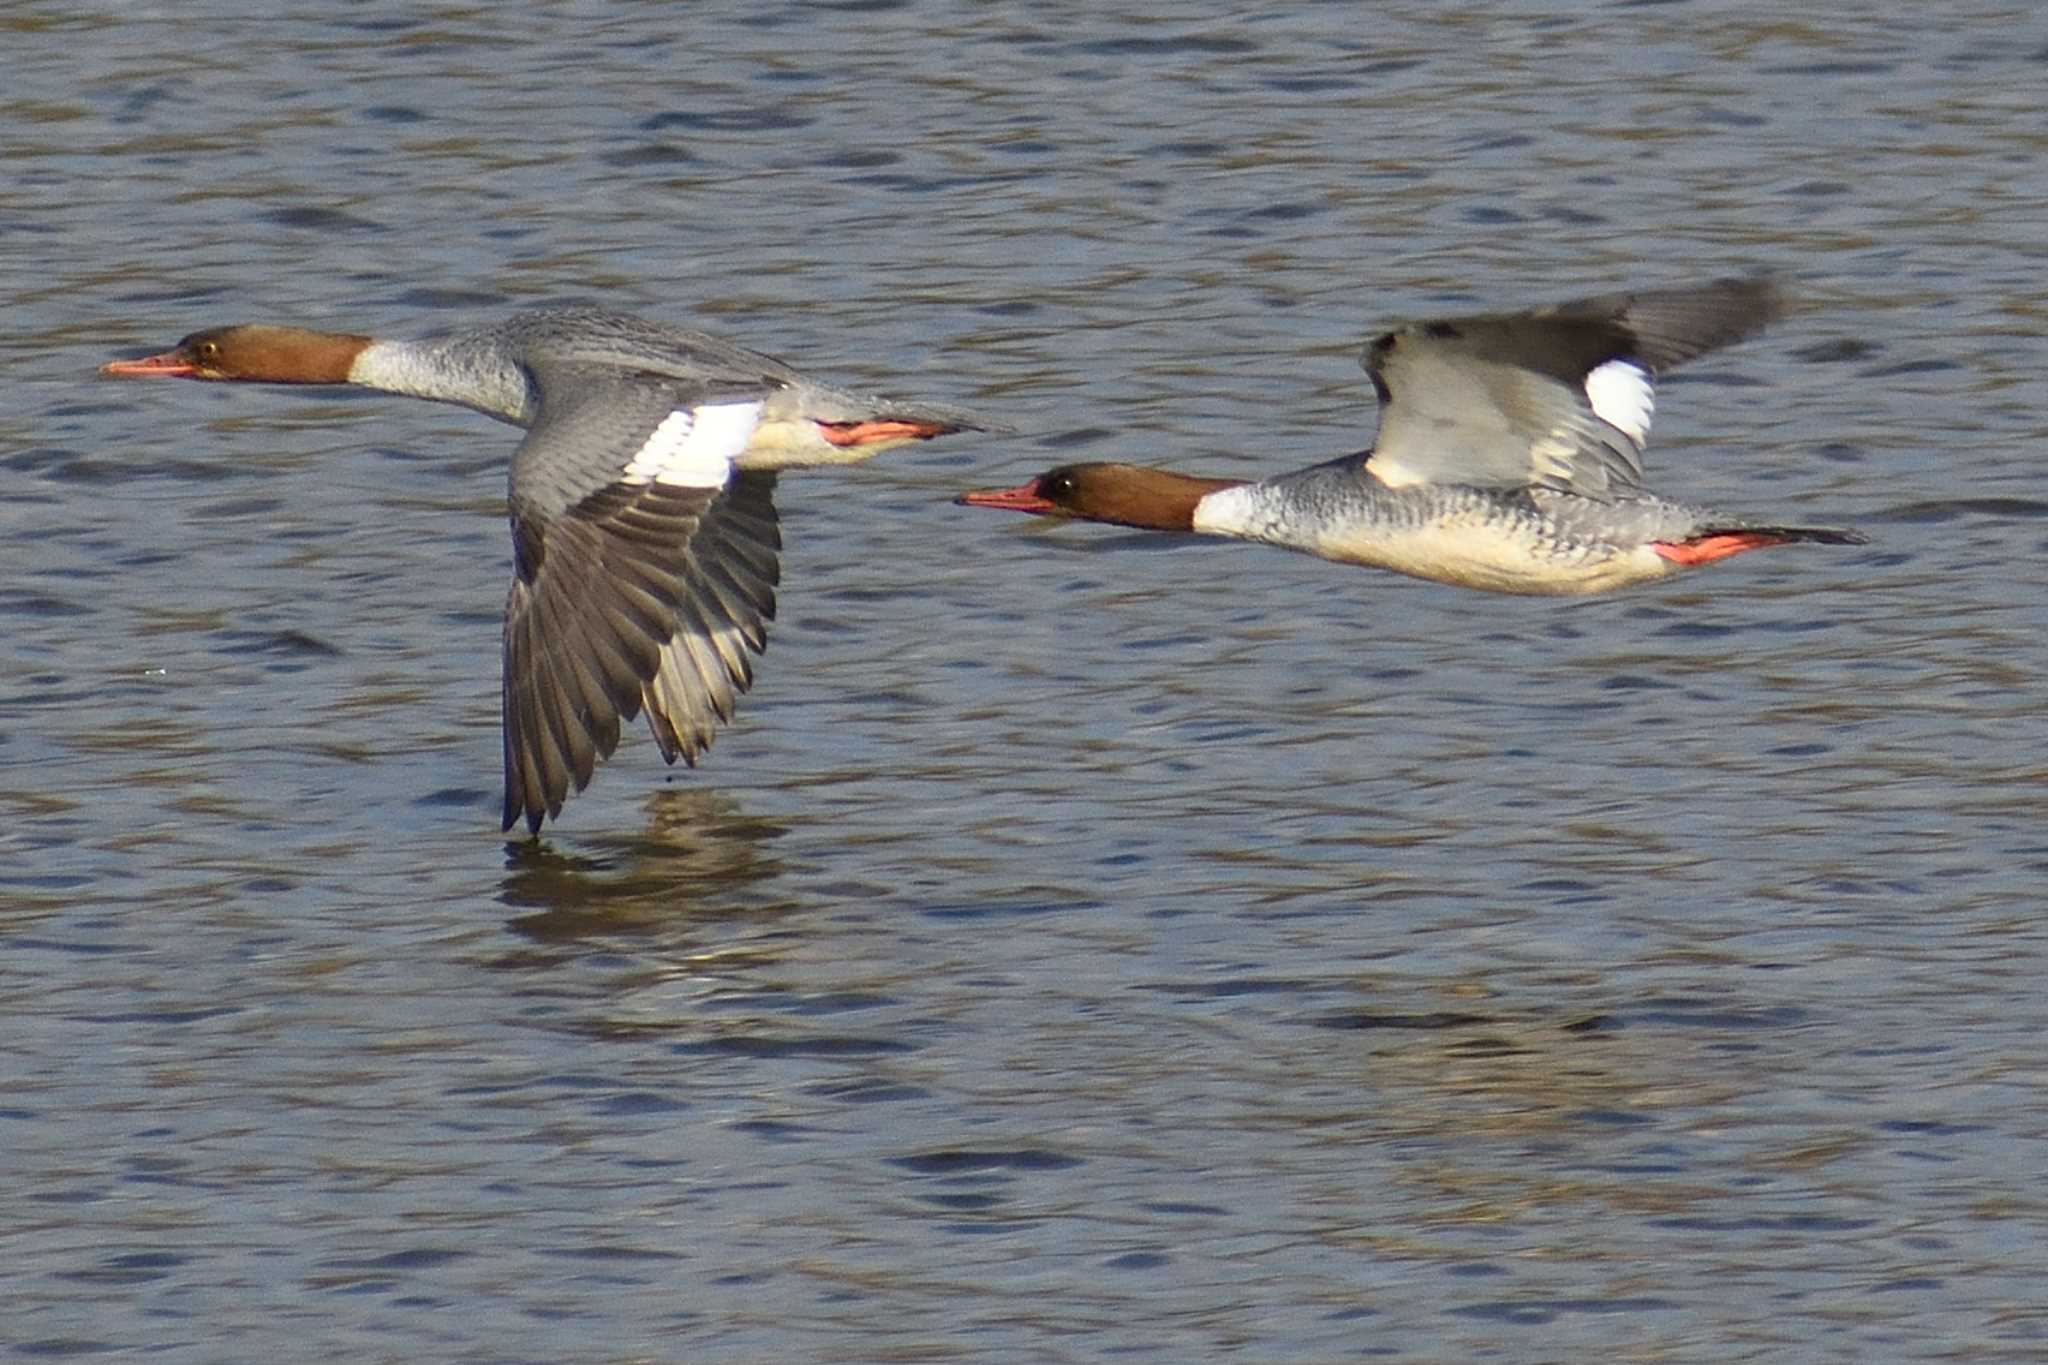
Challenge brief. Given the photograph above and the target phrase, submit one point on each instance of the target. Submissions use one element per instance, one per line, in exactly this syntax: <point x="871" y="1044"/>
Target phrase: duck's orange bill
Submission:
<point x="861" y="433"/>
<point x="1023" y="498"/>
<point x="169" y="365"/>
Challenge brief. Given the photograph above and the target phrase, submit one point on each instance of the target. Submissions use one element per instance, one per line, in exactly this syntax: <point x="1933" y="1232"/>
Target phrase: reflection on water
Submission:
<point x="695" y="850"/>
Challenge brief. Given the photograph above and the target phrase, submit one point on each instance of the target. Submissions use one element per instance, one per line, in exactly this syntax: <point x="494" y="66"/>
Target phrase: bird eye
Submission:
<point x="1057" y="484"/>
<point x="207" y="350"/>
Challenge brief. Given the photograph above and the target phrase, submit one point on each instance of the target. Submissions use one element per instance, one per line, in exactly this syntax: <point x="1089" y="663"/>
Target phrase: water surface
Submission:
<point x="1084" y="943"/>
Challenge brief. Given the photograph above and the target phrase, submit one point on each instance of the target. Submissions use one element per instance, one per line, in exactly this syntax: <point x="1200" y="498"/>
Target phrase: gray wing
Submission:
<point x="643" y="572"/>
<point x="729" y="598"/>
<point x="602" y="339"/>
<point x="1556" y="398"/>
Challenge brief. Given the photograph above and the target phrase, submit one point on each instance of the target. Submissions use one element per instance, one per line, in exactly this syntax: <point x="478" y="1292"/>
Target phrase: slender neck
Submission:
<point x="1150" y="499"/>
<point x="472" y="370"/>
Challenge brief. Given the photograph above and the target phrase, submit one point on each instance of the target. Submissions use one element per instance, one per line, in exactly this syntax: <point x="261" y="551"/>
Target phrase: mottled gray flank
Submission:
<point x="1083" y="945"/>
<point x="1335" y="505"/>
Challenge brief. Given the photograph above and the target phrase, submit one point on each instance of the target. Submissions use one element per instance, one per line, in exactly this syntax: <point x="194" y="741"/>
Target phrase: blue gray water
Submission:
<point x="1085" y="944"/>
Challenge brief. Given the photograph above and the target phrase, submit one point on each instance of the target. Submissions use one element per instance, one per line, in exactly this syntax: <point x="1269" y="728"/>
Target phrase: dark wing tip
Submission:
<point x="1658" y="328"/>
<point x="1671" y="326"/>
<point x="514" y="809"/>
<point x="519" y="802"/>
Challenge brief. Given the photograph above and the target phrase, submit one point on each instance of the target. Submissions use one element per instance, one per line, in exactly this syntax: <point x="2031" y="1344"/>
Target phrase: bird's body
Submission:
<point x="1530" y="540"/>
<point x="645" y="538"/>
<point x="1509" y="456"/>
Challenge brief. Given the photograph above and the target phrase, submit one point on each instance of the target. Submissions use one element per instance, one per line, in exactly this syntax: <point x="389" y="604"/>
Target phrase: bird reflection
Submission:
<point x="697" y="849"/>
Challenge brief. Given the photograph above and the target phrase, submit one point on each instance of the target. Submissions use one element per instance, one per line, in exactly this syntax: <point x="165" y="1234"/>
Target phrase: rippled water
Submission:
<point x="1085" y="943"/>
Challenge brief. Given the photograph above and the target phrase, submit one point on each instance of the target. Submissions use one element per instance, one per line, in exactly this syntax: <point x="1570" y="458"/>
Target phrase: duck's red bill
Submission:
<point x="169" y="365"/>
<point x="883" y="429"/>
<point x="1023" y="498"/>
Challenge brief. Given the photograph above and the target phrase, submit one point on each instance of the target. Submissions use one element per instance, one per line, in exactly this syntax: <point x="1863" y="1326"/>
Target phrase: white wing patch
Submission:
<point x="694" y="447"/>
<point x="1621" y="395"/>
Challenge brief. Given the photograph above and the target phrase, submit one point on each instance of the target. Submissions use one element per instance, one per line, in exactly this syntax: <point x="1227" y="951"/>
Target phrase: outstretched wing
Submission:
<point x="729" y="598"/>
<point x="1557" y="397"/>
<point x="643" y="572"/>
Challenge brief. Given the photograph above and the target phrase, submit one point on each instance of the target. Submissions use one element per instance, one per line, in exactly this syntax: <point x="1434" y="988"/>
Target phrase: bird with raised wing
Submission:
<point x="1509" y="456"/>
<point x="645" y="542"/>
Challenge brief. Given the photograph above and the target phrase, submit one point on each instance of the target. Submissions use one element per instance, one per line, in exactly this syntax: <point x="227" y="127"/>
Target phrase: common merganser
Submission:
<point x="644" y="533"/>
<point x="1509" y="456"/>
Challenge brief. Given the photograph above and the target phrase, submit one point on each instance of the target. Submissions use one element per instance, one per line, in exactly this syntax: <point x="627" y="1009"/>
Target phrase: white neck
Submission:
<point x="457" y="370"/>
